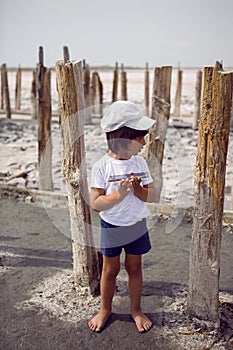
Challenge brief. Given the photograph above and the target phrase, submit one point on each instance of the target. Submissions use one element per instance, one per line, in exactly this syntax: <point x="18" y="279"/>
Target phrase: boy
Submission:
<point x="122" y="208"/>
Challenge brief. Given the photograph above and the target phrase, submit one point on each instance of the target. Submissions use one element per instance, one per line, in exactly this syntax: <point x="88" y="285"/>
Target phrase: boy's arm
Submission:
<point x="147" y="193"/>
<point x="100" y="201"/>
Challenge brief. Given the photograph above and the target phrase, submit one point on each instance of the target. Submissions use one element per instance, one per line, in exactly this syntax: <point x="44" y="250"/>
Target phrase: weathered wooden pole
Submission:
<point x="18" y="88"/>
<point x="197" y="99"/>
<point x="147" y="89"/>
<point x="2" y="88"/>
<point x="6" y="91"/>
<point x="86" y="77"/>
<point x="33" y="96"/>
<point x="66" y="54"/>
<point x="97" y="95"/>
<point x="123" y="84"/>
<point x="71" y="107"/>
<point x="214" y="128"/>
<point x="44" y="125"/>
<point x="176" y="111"/>
<point x="115" y="84"/>
<point x="231" y="118"/>
<point x="161" y="113"/>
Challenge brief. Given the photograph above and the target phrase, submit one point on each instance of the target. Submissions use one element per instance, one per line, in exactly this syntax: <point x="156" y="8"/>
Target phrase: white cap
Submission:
<point x="125" y="113"/>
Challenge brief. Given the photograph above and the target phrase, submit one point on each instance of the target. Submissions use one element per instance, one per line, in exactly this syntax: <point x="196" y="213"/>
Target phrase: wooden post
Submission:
<point x="66" y="54"/>
<point x="97" y="95"/>
<point x="2" y="88"/>
<point x="115" y="84"/>
<point x="44" y="125"/>
<point x="197" y="99"/>
<point x="176" y="111"/>
<point x="147" y="89"/>
<point x="71" y="106"/>
<point x="123" y="84"/>
<point x="18" y="88"/>
<point x="214" y="128"/>
<point x="232" y="120"/>
<point x="87" y="93"/>
<point x="33" y="96"/>
<point x="161" y="113"/>
<point x="6" y="91"/>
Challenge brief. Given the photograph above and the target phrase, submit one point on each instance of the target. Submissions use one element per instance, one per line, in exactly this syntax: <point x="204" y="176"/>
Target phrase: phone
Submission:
<point x="127" y="176"/>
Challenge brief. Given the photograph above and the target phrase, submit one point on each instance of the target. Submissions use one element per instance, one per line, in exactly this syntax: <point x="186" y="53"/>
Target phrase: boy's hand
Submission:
<point x="125" y="188"/>
<point x="135" y="182"/>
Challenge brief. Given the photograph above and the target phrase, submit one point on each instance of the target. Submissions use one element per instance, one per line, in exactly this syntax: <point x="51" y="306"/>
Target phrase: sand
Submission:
<point x="40" y="309"/>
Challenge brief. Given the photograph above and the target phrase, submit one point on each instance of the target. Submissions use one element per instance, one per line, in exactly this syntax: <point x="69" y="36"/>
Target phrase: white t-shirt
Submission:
<point x="131" y="209"/>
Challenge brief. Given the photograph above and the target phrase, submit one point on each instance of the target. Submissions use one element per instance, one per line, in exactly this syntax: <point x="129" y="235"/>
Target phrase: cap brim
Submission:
<point x="144" y="123"/>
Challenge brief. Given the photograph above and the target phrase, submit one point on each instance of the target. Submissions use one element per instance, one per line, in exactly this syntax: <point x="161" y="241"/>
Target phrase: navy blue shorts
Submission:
<point x="133" y="239"/>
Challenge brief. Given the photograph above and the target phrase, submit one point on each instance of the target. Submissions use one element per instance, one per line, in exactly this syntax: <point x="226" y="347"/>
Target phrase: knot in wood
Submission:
<point x="74" y="179"/>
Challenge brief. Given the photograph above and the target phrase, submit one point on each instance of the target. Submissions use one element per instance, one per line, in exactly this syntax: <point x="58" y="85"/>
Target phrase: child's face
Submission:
<point x="136" y="145"/>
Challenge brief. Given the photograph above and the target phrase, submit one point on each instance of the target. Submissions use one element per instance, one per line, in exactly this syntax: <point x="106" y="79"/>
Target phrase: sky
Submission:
<point x="161" y="32"/>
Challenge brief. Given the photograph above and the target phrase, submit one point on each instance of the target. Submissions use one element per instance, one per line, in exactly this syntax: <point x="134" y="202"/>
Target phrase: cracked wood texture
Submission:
<point x="214" y="128"/>
<point x="71" y="117"/>
<point x="157" y="134"/>
<point x="44" y="127"/>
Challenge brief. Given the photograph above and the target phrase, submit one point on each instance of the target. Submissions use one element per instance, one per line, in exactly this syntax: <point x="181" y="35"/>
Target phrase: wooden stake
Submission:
<point x="176" y="112"/>
<point x="123" y="84"/>
<point x="87" y="93"/>
<point x="33" y="96"/>
<point x="66" y="54"/>
<point x="44" y="126"/>
<point x="197" y="99"/>
<point x="97" y="95"/>
<point x="2" y="88"/>
<point x="71" y="106"/>
<point x="6" y="91"/>
<point x="18" y="88"/>
<point x="146" y="89"/>
<point x="214" y="128"/>
<point x="115" y="84"/>
<point x="161" y="113"/>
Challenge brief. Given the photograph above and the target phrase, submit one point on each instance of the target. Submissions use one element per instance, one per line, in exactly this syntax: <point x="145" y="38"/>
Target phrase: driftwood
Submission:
<point x="214" y="128"/>
<point x="71" y="116"/>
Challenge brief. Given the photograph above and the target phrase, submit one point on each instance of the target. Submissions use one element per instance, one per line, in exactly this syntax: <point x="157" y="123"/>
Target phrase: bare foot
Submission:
<point x="98" y="321"/>
<point x="142" y="322"/>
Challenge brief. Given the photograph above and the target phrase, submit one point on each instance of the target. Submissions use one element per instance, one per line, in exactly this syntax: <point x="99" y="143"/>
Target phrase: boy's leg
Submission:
<point x="110" y="270"/>
<point x="133" y="266"/>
